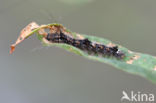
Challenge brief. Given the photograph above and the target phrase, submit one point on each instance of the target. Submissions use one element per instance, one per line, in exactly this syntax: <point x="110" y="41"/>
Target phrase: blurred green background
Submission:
<point x="37" y="74"/>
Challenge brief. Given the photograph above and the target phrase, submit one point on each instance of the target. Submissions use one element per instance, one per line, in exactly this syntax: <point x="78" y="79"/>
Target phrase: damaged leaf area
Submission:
<point x="133" y="62"/>
<point x="26" y="32"/>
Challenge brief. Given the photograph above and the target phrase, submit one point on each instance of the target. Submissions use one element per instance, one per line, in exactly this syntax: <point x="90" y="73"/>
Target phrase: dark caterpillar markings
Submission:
<point x="85" y="44"/>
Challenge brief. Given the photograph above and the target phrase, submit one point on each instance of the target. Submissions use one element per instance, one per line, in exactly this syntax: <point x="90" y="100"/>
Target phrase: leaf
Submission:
<point x="134" y="63"/>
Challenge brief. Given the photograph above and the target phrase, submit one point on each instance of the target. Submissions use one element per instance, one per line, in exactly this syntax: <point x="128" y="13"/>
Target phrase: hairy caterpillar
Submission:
<point x="84" y="44"/>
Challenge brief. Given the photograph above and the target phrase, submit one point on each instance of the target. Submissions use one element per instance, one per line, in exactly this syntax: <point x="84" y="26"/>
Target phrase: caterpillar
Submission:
<point x="59" y="34"/>
<point x="84" y="44"/>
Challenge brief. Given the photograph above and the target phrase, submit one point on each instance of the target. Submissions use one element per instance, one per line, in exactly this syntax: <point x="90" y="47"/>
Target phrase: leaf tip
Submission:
<point x="12" y="49"/>
<point x="26" y="32"/>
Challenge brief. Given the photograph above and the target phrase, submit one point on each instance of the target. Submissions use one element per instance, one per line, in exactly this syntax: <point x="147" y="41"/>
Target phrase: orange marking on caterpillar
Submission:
<point x="80" y="36"/>
<point x="111" y="44"/>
